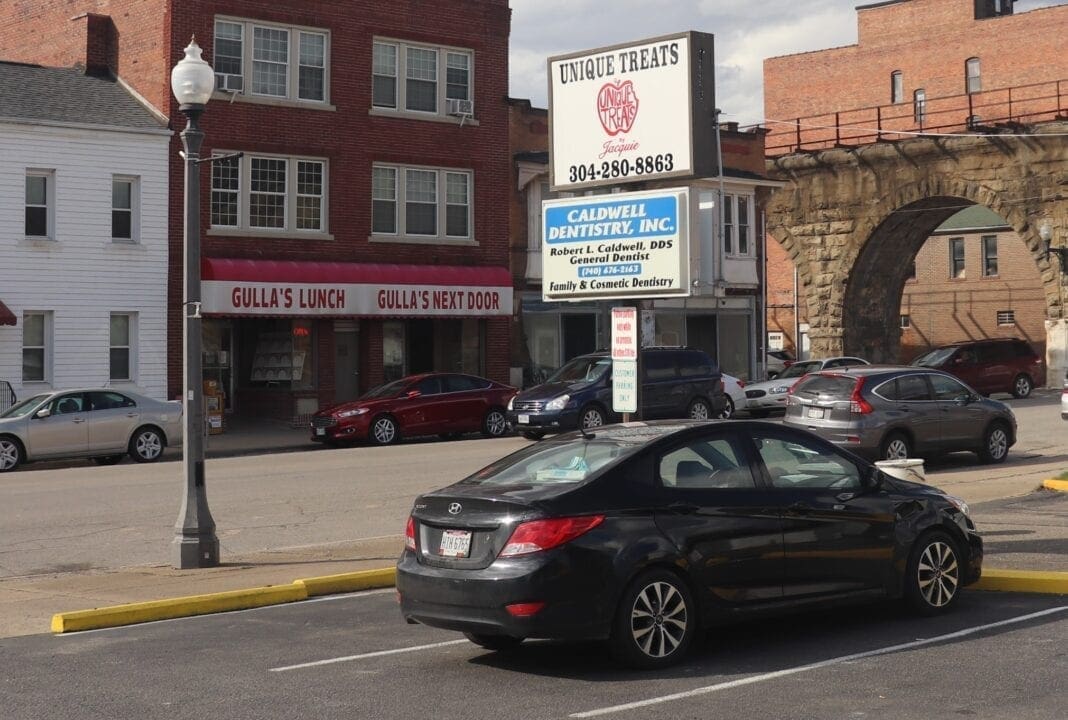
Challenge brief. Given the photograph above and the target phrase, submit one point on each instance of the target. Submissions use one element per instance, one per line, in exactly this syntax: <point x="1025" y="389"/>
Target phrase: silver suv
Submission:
<point x="896" y="412"/>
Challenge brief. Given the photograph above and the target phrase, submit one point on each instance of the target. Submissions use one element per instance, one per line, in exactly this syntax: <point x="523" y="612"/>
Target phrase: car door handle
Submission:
<point x="131" y="414"/>
<point x="683" y="508"/>
<point x="78" y="420"/>
<point x="904" y="408"/>
<point x="844" y="497"/>
<point x="799" y="508"/>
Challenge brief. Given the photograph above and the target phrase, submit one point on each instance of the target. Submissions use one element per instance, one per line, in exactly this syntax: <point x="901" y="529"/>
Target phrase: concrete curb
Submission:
<point x="133" y="613"/>
<point x="1057" y="485"/>
<point x="1025" y="581"/>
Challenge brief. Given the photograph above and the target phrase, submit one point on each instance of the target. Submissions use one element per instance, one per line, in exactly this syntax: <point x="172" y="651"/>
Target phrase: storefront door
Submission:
<point x="346" y="365"/>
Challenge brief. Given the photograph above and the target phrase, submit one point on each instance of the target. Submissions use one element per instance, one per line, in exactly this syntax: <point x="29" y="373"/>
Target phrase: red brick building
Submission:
<point x="913" y="60"/>
<point x="372" y="196"/>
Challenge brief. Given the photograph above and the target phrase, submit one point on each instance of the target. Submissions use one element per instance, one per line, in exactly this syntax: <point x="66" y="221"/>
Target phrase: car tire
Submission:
<point x="655" y="622"/>
<point x="895" y="446"/>
<point x="146" y="445"/>
<point x="533" y="434"/>
<point x="591" y="416"/>
<point x="494" y="423"/>
<point x="759" y="413"/>
<point x="1022" y="386"/>
<point x="11" y="453"/>
<point x="494" y="642"/>
<point x="699" y="410"/>
<point x="995" y="446"/>
<point x="933" y="574"/>
<point x="108" y="460"/>
<point x="384" y="430"/>
<point x="728" y="410"/>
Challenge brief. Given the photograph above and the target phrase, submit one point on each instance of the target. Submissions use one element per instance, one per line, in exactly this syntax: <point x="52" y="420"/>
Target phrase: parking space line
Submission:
<point x="813" y="666"/>
<point x="364" y="656"/>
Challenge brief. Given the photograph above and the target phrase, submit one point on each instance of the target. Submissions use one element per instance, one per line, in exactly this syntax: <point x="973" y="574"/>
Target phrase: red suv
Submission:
<point x="1003" y="365"/>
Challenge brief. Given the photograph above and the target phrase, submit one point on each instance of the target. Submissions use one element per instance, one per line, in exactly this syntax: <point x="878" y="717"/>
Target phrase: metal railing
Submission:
<point x="988" y="111"/>
<point x="7" y="396"/>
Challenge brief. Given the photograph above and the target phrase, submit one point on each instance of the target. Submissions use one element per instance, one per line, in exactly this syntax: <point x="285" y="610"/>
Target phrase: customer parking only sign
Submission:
<point x="624" y="245"/>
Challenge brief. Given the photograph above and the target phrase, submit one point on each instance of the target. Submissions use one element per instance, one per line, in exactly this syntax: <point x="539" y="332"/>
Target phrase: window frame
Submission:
<point x="130" y="347"/>
<point x="46" y="347"/>
<point x="442" y="91"/>
<point x="134" y="209"/>
<point x="739" y="449"/>
<point x="990" y="259"/>
<point x="905" y="322"/>
<point x="294" y="46"/>
<point x="1005" y="318"/>
<point x="441" y="204"/>
<point x="244" y="194"/>
<point x="956" y="273"/>
<point x="897" y="87"/>
<point x="733" y="225"/>
<point x="973" y="81"/>
<point x="919" y="106"/>
<point x="49" y="176"/>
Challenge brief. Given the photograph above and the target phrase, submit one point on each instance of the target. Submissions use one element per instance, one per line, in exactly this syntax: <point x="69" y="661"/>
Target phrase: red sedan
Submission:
<point x="445" y="404"/>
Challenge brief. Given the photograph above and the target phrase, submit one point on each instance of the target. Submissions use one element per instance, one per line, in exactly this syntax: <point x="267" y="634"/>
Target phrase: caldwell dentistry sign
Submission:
<point x="616" y="246"/>
<point x="631" y="113"/>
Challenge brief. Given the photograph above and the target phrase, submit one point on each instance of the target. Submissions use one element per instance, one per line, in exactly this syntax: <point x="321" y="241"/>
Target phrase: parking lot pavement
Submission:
<point x="1028" y="532"/>
<point x="997" y="656"/>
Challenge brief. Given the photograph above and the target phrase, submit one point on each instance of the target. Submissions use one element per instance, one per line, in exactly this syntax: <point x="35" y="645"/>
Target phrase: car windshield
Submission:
<point x="799" y="369"/>
<point x="935" y="358"/>
<point x="553" y="463"/>
<point x="390" y="389"/>
<point x="24" y="407"/>
<point x="582" y="369"/>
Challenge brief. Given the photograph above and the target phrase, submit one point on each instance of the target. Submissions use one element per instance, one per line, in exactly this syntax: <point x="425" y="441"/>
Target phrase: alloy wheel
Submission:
<point x="997" y="444"/>
<point x="9" y="455"/>
<point x="728" y="410"/>
<point x="1022" y="387"/>
<point x="658" y="619"/>
<point x="384" y="431"/>
<point x="897" y="449"/>
<point x="699" y="410"/>
<point x="148" y="445"/>
<point x="592" y="418"/>
<point x="938" y="574"/>
<point x="496" y="424"/>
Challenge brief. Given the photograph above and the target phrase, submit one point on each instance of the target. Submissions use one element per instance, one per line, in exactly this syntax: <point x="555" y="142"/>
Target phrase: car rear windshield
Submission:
<point x="553" y="463"/>
<point x="826" y="386"/>
<point x="934" y="358"/>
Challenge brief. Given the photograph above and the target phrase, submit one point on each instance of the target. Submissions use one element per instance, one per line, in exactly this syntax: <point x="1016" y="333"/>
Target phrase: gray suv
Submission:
<point x="890" y="413"/>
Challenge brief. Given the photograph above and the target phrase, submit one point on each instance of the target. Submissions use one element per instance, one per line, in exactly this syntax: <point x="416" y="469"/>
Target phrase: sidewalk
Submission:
<point x="245" y="436"/>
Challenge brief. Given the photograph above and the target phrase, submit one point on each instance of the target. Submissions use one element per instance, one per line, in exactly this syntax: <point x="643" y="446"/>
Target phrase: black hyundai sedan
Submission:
<point x="645" y="533"/>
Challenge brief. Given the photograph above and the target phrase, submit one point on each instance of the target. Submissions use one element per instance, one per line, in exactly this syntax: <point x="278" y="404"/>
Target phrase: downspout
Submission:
<point x="717" y="287"/>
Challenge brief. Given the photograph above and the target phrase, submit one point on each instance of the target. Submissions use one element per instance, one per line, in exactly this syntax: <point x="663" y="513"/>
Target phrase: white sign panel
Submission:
<point x="625" y="333"/>
<point x="631" y="112"/>
<point x="624" y="386"/>
<point x="624" y="245"/>
<point x="232" y="297"/>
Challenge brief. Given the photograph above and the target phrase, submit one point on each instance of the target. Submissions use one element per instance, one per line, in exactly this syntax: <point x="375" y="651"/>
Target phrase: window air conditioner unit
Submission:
<point x="229" y="83"/>
<point x="463" y="108"/>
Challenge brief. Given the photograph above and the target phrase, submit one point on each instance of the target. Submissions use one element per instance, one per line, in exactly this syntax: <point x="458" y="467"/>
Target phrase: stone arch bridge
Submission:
<point x="852" y="220"/>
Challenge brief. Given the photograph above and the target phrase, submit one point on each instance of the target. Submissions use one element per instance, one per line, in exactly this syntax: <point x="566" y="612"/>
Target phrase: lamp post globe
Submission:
<point x="195" y="543"/>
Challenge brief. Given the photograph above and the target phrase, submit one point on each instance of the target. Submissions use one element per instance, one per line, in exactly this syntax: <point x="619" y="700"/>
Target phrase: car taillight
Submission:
<point x="537" y="535"/>
<point x="741" y="383"/>
<point x="524" y="609"/>
<point x="857" y="404"/>
<point x="409" y="534"/>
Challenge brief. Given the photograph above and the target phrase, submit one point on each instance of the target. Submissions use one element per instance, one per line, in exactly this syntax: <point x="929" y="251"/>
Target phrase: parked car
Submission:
<point x="678" y="382"/>
<point x="775" y="361"/>
<point x="734" y="392"/>
<point x="1005" y="365"/>
<point x="1064" y="399"/>
<point x="901" y="412"/>
<point x="98" y="423"/>
<point x="645" y="534"/>
<point x="446" y="404"/>
<point x="764" y="397"/>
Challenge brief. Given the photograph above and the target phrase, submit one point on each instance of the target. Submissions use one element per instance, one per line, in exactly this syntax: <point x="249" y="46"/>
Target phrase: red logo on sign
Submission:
<point x="617" y="106"/>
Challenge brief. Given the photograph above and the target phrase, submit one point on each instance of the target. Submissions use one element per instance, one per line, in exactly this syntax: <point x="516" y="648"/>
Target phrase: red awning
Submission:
<point x="6" y="316"/>
<point x="282" y="271"/>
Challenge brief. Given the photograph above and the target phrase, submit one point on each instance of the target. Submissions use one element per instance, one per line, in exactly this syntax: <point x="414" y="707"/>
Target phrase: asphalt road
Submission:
<point x="995" y="656"/>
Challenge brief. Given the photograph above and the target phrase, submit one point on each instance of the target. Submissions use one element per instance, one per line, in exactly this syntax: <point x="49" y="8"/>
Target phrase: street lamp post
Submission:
<point x="1045" y="231"/>
<point x="195" y="544"/>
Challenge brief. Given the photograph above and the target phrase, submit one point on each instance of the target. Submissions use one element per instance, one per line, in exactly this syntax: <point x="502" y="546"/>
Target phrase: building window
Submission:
<point x="919" y="106"/>
<point x="40" y="198"/>
<point x="433" y="200"/>
<point x="121" y="347"/>
<point x="743" y="225"/>
<point x="737" y="224"/>
<point x="897" y="87"/>
<point x="271" y="193"/>
<point x="956" y="257"/>
<point x="432" y="75"/>
<point x="912" y="270"/>
<point x="990" y="255"/>
<point x="906" y="322"/>
<point x="972" y="80"/>
<point x="1006" y="317"/>
<point x="36" y="360"/>
<point x="124" y="210"/>
<point x="286" y="62"/>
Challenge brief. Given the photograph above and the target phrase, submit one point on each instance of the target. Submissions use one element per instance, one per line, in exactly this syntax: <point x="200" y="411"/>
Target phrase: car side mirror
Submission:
<point x="876" y="479"/>
<point x="42" y="413"/>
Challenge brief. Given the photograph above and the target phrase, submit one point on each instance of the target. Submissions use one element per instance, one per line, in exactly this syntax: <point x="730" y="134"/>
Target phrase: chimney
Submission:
<point x="101" y="50"/>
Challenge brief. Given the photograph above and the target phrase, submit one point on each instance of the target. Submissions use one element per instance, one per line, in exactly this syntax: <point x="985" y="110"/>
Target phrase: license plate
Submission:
<point x="455" y="543"/>
<point x="320" y="431"/>
<point x="814" y="412"/>
<point x="523" y="419"/>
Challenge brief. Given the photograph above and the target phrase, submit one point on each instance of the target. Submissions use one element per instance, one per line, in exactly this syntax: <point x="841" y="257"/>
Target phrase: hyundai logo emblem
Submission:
<point x="455" y="508"/>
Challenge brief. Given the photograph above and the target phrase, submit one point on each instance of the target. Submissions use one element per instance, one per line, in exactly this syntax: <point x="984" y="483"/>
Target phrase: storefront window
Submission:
<point x="670" y="329"/>
<point x="392" y="350"/>
<point x="218" y="356"/>
<point x="416" y="346"/>
<point x="543" y="344"/>
<point x="283" y="353"/>
<point x="734" y="340"/>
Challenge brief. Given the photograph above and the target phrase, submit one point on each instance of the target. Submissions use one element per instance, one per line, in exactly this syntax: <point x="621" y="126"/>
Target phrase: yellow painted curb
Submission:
<point x="349" y="582"/>
<point x="133" y="613"/>
<point x="1058" y="485"/>
<point x="1028" y="581"/>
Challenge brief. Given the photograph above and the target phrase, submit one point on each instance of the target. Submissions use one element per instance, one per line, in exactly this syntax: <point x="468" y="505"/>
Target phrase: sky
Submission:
<point x="746" y="32"/>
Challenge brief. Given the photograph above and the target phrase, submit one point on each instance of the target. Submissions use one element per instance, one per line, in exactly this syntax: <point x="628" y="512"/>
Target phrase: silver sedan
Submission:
<point x="98" y="423"/>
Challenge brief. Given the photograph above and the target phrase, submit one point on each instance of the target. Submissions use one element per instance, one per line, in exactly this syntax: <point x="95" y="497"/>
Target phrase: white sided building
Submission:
<point x="83" y="234"/>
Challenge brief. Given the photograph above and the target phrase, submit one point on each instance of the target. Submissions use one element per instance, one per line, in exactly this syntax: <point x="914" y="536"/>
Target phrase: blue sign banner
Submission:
<point x="629" y="219"/>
